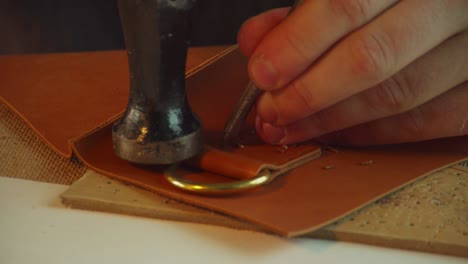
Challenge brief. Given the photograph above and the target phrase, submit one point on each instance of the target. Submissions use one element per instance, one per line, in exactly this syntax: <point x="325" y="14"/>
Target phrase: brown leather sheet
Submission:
<point x="304" y="199"/>
<point x="64" y="96"/>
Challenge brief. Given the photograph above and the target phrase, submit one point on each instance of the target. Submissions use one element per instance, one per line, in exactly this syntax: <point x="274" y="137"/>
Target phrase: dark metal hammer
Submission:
<point x="158" y="126"/>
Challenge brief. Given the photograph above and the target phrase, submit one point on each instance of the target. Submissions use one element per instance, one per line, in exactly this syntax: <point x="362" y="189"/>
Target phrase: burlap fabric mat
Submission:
<point x="24" y="155"/>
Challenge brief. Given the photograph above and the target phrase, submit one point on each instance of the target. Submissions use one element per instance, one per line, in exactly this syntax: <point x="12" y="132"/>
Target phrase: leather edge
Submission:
<point x="356" y="209"/>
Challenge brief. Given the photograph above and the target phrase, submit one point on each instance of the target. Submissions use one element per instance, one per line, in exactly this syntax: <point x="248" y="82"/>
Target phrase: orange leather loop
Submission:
<point x="226" y="163"/>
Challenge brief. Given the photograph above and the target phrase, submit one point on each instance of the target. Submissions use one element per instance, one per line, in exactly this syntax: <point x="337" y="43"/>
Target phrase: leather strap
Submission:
<point x="241" y="165"/>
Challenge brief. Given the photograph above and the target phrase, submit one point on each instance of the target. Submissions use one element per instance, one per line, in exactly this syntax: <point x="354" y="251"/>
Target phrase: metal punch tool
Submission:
<point x="231" y="132"/>
<point x="244" y="105"/>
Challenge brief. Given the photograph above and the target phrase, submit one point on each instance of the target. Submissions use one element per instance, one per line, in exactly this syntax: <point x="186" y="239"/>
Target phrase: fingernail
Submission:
<point x="269" y="133"/>
<point x="263" y="73"/>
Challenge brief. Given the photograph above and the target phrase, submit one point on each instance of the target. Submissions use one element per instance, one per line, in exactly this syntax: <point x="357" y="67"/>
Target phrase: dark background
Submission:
<point x="35" y="26"/>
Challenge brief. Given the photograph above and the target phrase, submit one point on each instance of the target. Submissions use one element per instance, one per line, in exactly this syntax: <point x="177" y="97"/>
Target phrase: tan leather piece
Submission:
<point x="300" y="201"/>
<point x="64" y="96"/>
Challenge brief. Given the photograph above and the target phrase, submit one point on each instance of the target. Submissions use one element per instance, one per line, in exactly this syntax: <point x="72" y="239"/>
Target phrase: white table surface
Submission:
<point x="36" y="228"/>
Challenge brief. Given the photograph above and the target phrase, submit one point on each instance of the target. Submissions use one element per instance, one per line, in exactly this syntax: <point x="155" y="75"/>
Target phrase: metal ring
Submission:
<point x="227" y="188"/>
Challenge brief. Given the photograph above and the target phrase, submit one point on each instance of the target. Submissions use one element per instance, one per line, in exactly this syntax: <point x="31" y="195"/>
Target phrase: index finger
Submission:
<point x="295" y="43"/>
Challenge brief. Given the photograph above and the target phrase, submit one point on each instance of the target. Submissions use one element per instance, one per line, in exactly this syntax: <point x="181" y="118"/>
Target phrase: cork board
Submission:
<point x="428" y="215"/>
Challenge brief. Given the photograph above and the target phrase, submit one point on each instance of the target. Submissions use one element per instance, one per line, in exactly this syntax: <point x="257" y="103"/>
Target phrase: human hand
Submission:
<point x="360" y="72"/>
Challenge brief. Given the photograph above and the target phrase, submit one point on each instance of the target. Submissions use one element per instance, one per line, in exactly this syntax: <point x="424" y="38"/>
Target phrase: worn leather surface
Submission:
<point x="298" y="202"/>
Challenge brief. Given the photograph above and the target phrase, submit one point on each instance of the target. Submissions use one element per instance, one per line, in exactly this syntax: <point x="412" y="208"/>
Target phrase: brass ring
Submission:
<point x="233" y="187"/>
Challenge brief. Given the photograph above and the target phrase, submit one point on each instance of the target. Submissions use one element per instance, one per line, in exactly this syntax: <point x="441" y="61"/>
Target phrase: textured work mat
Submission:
<point x="428" y="215"/>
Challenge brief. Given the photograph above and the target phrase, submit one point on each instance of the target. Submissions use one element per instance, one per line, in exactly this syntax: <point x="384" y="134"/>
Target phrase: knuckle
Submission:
<point x="294" y="39"/>
<point x="355" y="12"/>
<point x="394" y="95"/>
<point x="372" y="55"/>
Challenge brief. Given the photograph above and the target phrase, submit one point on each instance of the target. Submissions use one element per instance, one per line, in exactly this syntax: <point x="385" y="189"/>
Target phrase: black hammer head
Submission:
<point x="158" y="126"/>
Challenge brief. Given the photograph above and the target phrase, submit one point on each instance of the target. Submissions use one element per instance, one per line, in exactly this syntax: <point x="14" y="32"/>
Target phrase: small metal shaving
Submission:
<point x="328" y="167"/>
<point x="282" y="149"/>
<point x="333" y="150"/>
<point x="240" y="146"/>
<point x="367" y="163"/>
